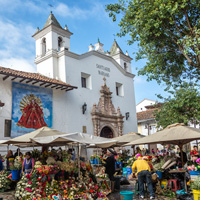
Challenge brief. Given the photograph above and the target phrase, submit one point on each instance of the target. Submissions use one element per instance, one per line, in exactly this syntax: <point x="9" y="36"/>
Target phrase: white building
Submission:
<point x="146" y="119"/>
<point x="103" y="103"/>
<point x="141" y="106"/>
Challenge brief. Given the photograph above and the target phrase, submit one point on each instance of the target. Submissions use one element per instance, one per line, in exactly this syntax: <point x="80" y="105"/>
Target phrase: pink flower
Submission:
<point x="29" y="182"/>
<point x="28" y="189"/>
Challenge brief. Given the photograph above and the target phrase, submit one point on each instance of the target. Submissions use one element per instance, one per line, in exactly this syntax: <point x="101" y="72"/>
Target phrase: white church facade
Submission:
<point x="91" y="93"/>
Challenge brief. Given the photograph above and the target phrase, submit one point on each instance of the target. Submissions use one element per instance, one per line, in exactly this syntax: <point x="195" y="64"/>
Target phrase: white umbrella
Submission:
<point x="80" y="138"/>
<point x="26" y="138"/>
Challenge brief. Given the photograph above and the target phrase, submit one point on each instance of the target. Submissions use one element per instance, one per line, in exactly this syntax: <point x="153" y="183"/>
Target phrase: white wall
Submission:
<point x="78" y="97"/>
<point x="141" y="106"/>
<point x="6" y="97"/>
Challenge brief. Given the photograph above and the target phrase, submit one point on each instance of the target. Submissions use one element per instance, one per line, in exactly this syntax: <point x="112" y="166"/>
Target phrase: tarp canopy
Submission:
<point x="26" y="138"/>
<point x="79" y="138"/>
<point x="177" y="134"/>
<point x="129" y="137"/>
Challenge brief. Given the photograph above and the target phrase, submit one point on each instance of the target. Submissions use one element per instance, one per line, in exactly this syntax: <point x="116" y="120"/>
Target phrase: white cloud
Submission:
<point x="96" y="10"/>
<point x="18" y="63"/>
<point x="46" y="112"/>
<point x="17" y="46"/>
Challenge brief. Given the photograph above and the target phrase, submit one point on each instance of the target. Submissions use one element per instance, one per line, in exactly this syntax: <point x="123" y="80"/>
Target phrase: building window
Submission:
<point x="125" y="66"/>
<point x="60" y="41"/>
<point x="83" y="82"/>
<point x="86" y="81"/>
<point x="7" y="128"/>
<point x="44" y="48"/>
<point x="119" y="89"/>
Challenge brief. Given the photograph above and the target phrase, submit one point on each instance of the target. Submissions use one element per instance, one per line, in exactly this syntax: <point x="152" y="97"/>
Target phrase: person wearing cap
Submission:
<point x="110" y="164"/>
<point x="143" y="174"/>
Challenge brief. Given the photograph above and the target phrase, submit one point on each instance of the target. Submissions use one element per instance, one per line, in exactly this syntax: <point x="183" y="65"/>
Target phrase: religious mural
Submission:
<point x="31" y="108"/>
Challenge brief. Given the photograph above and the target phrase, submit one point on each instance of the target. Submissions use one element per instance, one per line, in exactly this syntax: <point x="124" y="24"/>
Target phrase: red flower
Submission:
<point x="28" y="176"/>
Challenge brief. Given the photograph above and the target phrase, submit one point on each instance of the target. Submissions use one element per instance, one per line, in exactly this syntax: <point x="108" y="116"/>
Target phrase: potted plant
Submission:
<point x="96" y="158"/>
<point x="195" y="186"/>
<point x="92" y="159"/>
<point x="15" y="168"/>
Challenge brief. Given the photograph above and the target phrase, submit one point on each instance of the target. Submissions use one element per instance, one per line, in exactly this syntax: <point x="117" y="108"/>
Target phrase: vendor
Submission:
<point x="110" y="164"/>
<point x="9" y="156"/>
<point x="143" y="174"/>
<point x="28" y="164"/>
<point x="194" y="154"/>
<point x="18" y="153"/>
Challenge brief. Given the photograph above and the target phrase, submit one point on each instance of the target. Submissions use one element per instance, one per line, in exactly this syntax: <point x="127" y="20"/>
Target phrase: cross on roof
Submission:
<point x="104" y="78"/>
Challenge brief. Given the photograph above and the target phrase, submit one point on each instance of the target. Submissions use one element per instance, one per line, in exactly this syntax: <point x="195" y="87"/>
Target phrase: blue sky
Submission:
<point x="88" y="21"/>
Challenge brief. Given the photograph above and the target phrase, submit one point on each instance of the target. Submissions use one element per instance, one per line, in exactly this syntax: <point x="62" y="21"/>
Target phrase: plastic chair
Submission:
<point x="174" y="185"/>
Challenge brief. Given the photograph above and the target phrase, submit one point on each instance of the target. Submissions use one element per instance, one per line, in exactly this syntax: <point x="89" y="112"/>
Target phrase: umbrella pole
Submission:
<point x="79" y="168"/>
<point x="181" y="150"/>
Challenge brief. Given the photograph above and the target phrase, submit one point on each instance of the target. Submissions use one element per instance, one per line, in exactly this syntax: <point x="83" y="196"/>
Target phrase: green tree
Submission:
<point x="167" y="32"/>
<point x="183" y="107"/>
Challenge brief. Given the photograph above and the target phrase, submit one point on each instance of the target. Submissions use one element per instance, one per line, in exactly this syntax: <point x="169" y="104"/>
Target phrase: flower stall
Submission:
<point x="59" y="179"/>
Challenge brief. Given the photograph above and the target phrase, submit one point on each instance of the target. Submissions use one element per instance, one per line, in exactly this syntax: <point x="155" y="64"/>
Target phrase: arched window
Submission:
<point x="60" y="41"/>
<point x="125" y="66"/>
<point x="43" y="46"/>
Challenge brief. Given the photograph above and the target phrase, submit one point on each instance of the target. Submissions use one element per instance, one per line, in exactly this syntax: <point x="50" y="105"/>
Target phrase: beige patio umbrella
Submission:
<point x="129" y="137"/>
<point x="26" y="138"/>
<point x="177" y="134"/>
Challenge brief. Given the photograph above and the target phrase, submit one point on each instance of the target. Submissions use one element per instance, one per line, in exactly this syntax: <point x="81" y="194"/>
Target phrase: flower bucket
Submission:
<point x="126" y="195"/>
<point x="196" y="194"/>
<point x="159" y="173"/>
<point x="194" y="172"/>
<point x="15" y="174"/>
<point x="92" y="161"/>
<point x="95" y="161"/>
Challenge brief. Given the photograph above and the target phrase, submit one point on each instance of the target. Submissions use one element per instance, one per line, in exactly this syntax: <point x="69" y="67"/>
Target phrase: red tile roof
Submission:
<point x="148" y="114"/>
<point x="36" y="77"/>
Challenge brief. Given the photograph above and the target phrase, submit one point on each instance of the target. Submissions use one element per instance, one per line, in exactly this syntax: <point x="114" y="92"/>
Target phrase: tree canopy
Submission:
<point x="183" y="107"/>
<point x="168" y="35"/>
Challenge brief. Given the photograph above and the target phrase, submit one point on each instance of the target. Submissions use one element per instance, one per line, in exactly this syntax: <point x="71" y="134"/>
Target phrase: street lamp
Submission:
<point x="127" y="115"/>
<point x="84" y="108"/>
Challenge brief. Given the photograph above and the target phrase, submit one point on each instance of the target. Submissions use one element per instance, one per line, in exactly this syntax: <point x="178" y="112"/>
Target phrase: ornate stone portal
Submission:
<point x="105" y="117"/>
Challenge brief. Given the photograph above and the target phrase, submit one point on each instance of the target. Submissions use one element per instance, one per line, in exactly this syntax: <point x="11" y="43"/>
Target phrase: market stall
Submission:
<point x="174" y="174"/>
<point x="56" y="175"/>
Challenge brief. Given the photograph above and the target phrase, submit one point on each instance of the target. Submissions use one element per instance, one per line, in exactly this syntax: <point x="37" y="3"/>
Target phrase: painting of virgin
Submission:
<point x="31" y="108"/>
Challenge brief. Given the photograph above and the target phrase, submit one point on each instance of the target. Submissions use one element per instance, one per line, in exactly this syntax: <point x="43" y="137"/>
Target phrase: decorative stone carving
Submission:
<point x="104" y="114"/>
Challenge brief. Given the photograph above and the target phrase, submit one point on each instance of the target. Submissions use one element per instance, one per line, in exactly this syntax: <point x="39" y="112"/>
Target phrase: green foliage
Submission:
<point x="167" y="33"/>
<point x="184" y="107"/>
<point x="169" y="194"/>
<point x="196" y="184"/>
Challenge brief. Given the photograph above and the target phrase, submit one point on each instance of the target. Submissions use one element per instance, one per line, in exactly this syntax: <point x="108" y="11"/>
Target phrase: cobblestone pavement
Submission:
<point x="8" y="195"/>
<point x="116" y="195"/>
<point x="113" y="196"/>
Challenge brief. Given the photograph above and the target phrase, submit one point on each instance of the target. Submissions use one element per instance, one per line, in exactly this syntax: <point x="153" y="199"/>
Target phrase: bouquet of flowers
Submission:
<point x="131" y="161"/>
<point x="16" y="164"/>
<point x="102" y="174"/>
<point x="5" y="182"/>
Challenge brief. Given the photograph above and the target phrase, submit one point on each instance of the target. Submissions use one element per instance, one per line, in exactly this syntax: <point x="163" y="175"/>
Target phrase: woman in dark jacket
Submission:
<point x="110" y="164"/>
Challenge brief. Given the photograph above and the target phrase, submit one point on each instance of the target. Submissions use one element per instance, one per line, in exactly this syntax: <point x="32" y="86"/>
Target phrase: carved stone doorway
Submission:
<point x="105" y="116"/>
<point x="106" y="132"/>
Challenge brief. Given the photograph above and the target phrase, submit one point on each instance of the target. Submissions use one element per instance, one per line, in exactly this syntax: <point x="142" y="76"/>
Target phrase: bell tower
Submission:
<point x="51" y="43"/>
